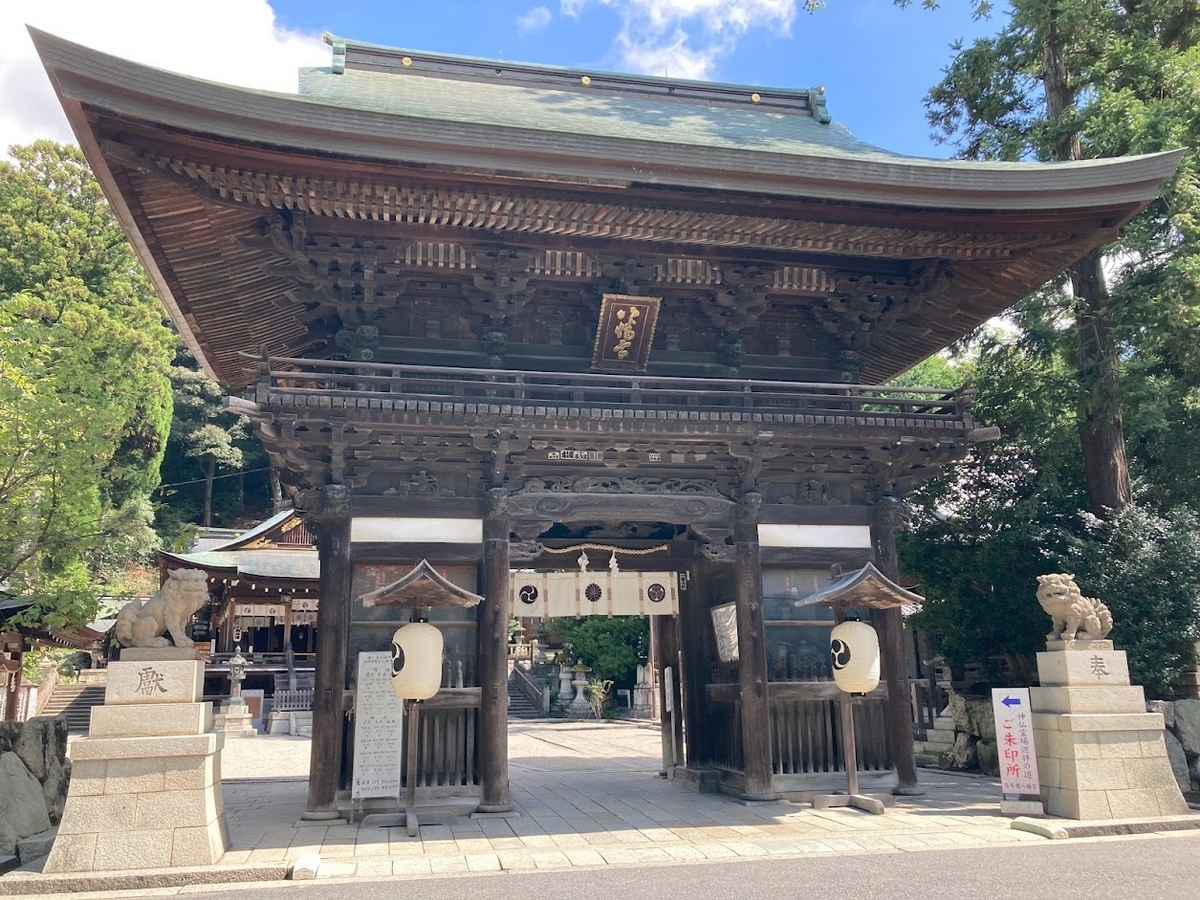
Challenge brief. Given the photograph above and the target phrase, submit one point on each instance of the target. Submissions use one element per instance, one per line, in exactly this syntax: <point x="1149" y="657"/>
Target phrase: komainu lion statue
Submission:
<point x="144" y="623"/>
<point x="1073" y="614"/>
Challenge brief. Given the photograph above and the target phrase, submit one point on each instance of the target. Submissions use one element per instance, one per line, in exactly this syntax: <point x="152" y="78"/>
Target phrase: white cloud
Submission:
<point x="672" y="58"/>
<point x="685" y="38"/>
<point x="256" y="53"/>
<point x="534" y="20"/>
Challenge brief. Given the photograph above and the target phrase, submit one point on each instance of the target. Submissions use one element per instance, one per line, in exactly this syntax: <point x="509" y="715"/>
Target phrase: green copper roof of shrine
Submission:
<point x="546" y="124"/>
<point x="575" y="101"/>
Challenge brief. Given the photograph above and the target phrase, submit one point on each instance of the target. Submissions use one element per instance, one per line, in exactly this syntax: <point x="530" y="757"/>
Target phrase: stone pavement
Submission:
<point x="586" y="794"/>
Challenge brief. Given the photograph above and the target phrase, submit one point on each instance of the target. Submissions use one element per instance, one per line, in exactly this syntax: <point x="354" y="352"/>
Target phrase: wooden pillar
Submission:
<point x="493" y="657"/>
<point x="329" y="508"/>
<point x="898" y="710"/>
<point x="696" y="657"/>
<point x="13" y="694"/>
<point x="759" y="783"/>
<point x="666" y="637"/>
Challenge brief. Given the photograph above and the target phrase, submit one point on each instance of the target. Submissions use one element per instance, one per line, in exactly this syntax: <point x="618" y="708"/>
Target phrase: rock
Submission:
<point x="1166" y="707"/>
<point x="1179" y="763"/>
<point x="36" y="846"/>
<point x="962" y="755"/>
<point x="54" y="788"/>
<point x="305" y="867"/>
<point x="41" y="743"/>
<point x="973" y="716"/>
<point x="42" y="746"/>
<point x="8" y="734"/>
<point x="1187" y="725"/>
<point x="989" y="758"/>
<point x="8" y="842"/>
<point x="22" y="805"/>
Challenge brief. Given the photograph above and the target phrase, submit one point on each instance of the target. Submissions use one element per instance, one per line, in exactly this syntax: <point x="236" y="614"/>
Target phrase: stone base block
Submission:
<point x="151" y="720"/>
<point x="139" y="803"/>
<point x="156" y="654"/>
<point x="1114" y="773"/>
<point x="154" y="681"/>
<point x="1078" y="645"/>
<point x="290" y="722"/>
<point x="1096" y="667"/>
<point x="235" y="722"/>
<point x="1089" y="699"/>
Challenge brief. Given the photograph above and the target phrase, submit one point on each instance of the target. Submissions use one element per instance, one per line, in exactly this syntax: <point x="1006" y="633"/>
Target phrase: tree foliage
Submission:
<point x="1115" y="343"/>
<point x="612" y="648"/>
<point x="85" y="404"/>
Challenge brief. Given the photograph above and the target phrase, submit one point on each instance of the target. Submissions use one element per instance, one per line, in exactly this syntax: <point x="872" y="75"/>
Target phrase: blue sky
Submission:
<point x="876" y="61"/>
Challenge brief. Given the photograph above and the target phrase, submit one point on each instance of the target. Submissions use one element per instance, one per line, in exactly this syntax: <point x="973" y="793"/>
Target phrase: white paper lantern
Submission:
<point x="416" y="661"/>
<point x="854" y="652"/>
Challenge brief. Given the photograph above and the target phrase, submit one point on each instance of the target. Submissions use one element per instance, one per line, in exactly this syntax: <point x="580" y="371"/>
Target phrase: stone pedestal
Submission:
<point x="146" y="784"/>
<point x="579" y="706"/>
<point x="298" y="722"/>
<point x="1100" y="754"/>
<point x="235" y="720"/>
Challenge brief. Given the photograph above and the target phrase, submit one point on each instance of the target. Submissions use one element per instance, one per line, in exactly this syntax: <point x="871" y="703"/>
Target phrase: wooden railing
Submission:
<point x="446" y="741"/>
<point x="292" y="701"/>
<point x="579" y="392"/>
<point x="805" y="728"/>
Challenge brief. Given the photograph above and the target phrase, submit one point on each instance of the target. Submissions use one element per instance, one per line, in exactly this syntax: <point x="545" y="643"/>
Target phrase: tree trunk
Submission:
<point x="210" y="471"/>
<point x="1101" y="428"/>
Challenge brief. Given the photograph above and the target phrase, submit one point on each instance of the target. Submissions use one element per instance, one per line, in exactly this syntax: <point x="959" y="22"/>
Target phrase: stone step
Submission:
<point x="75" y="702"/>
<point x="520" y="706"/>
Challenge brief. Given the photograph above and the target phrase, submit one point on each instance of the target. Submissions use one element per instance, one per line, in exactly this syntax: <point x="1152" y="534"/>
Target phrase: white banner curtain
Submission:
<point x="576" y="594"/>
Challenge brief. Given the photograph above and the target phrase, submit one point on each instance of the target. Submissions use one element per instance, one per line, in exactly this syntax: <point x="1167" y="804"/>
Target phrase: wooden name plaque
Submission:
<point x="378" y="729"/>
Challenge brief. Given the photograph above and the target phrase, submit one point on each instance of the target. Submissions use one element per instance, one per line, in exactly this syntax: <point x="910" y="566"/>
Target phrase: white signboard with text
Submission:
<point x="378" y="723"/>
<point x="1014" y="746"/>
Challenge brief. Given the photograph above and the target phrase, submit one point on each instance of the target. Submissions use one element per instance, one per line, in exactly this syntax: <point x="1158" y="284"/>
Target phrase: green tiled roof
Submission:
<point x="603" y="115"/>
<point x="263" y="563"/>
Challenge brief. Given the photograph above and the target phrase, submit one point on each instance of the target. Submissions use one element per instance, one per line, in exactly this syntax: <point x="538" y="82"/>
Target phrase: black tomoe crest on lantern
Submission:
<point x="417" y="661"/>
<point x="854" y="652"/>
<point x="839" y="654"/>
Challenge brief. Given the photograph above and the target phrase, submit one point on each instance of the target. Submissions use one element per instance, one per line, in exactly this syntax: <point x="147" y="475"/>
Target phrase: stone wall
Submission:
<point x="34" y="775"/>
<point x="964" y="738"/>
<point x="1183" y="740"/>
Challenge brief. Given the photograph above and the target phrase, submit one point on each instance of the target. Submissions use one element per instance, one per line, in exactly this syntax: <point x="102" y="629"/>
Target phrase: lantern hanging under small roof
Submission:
<point x="854" y="652"/>
<point x="416" y="661"/>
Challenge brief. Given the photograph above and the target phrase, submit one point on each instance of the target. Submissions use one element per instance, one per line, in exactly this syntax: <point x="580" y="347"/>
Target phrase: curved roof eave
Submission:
<point x="95" y="80"/>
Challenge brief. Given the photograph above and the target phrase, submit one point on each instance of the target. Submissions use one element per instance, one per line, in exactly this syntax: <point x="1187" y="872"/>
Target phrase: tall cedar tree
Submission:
<point x="1079" y="79"/>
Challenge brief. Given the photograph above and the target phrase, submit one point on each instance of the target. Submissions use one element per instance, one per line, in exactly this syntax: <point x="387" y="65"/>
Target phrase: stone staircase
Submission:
<point x="75" y="701"/>
<point x="520" y="706"/>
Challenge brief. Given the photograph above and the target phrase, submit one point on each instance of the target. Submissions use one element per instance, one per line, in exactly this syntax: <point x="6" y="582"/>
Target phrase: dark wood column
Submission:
<point x="752" y="655"/>
<point x="493" y="657"/>
<point x="329" y="509"/>
<point x="12" y="675"/>
<point x="670" y="709"/>
<point x="898" y="715"/>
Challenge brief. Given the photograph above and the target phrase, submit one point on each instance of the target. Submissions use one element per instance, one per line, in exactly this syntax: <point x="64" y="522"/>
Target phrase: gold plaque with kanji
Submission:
<point x="625" y="333"/>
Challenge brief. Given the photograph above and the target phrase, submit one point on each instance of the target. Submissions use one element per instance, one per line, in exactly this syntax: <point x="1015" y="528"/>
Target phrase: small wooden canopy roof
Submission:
<point x="868" y="587"/>
<point x="423" y="586"/>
